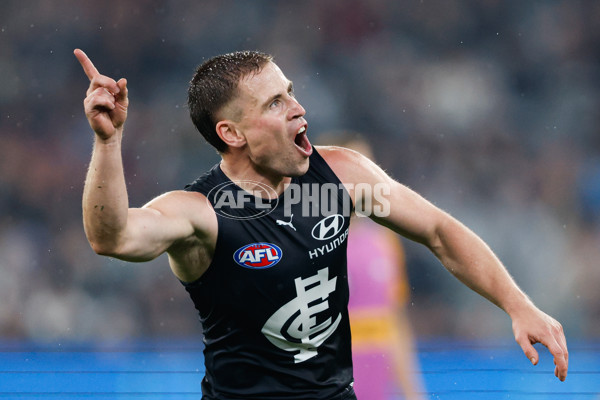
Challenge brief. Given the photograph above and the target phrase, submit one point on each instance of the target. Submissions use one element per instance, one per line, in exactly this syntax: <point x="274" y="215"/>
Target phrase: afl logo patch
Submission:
<point x="258" y="255"/>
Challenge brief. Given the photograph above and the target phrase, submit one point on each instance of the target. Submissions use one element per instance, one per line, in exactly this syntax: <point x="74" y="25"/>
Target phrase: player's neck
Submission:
<point x="253" y="179"/>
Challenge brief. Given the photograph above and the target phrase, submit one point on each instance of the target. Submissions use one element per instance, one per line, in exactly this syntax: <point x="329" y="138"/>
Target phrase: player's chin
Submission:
<point x="301" y="167"/>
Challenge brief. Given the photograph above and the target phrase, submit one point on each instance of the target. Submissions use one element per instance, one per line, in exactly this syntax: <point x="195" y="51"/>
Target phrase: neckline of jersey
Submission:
<point x="295" y="180"/>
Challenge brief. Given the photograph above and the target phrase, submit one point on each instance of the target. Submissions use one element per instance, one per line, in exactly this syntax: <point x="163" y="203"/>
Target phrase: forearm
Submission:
<point x="468" y="258"/>
<point x="105" y="201"/>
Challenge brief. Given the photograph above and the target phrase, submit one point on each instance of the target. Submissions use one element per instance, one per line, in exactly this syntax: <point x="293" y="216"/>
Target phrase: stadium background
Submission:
<point x="490" y="109"/>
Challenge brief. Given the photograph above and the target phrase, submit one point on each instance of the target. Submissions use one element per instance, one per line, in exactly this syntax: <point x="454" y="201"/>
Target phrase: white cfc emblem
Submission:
<point x="293" y="327"/>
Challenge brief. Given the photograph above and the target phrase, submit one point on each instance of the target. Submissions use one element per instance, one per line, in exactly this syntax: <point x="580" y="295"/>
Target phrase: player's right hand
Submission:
<point x="106" y="102"/>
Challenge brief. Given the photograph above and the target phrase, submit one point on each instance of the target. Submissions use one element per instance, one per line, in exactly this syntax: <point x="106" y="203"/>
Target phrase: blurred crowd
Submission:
<point x="490" y="109"/>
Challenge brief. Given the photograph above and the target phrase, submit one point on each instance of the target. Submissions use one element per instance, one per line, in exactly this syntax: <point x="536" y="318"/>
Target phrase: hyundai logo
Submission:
<point x="328" y="227"/>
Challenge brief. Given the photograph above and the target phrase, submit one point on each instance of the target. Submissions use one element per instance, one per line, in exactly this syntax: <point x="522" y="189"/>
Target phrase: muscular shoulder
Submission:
<point x="177" y="201"/>
<point x="350" y="166"/>
<point x="188" y="206"/>
<point x="340" y="159"/>
<point x="367" y="184"/>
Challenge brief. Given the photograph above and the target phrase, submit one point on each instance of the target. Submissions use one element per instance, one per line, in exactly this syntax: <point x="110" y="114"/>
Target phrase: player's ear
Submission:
<point x="229" y="133"/>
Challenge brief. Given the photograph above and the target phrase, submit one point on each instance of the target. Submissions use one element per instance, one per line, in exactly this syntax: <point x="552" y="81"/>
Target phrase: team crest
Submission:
<point x="258" y="255"/>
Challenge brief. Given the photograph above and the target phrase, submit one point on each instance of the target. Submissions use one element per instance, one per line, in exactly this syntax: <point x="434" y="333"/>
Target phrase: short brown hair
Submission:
<point x="214" y="84"/>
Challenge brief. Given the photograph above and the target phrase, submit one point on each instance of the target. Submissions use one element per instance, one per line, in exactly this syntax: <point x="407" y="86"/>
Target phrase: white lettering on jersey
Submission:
<point x="294" y="328"/>
<point x="328" y="247"/>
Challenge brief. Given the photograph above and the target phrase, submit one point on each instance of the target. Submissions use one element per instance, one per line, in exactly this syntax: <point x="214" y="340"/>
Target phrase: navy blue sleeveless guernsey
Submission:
<point x="273" y="302"/>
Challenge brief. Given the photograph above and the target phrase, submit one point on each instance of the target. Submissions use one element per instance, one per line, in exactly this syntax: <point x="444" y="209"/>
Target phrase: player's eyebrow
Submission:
<point x="290" y="89"/>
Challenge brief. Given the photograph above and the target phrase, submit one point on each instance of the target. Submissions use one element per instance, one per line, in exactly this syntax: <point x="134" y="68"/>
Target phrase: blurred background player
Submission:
<point x="383" y="347"/>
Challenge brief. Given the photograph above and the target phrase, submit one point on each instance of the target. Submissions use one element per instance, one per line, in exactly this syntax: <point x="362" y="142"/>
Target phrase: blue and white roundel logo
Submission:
<point x="258" y="255"/>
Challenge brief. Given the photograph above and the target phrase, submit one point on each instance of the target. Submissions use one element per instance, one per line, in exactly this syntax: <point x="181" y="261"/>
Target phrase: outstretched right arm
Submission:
<point x="112" y="228"/>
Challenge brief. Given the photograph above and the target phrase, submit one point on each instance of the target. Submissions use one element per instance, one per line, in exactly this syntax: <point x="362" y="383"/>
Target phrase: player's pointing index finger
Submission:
<point x="86" y="63"/>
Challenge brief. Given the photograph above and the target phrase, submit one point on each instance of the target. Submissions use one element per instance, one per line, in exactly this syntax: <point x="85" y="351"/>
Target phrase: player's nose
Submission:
<point x="296" y="109"/>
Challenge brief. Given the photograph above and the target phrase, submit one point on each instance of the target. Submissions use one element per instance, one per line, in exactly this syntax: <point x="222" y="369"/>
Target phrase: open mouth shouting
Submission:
<point x="302" y="142"/>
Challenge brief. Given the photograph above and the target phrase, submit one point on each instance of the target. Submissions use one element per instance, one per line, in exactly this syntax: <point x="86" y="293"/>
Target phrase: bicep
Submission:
<point x="407" y="213"/>
<point x="152" y="229"/>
